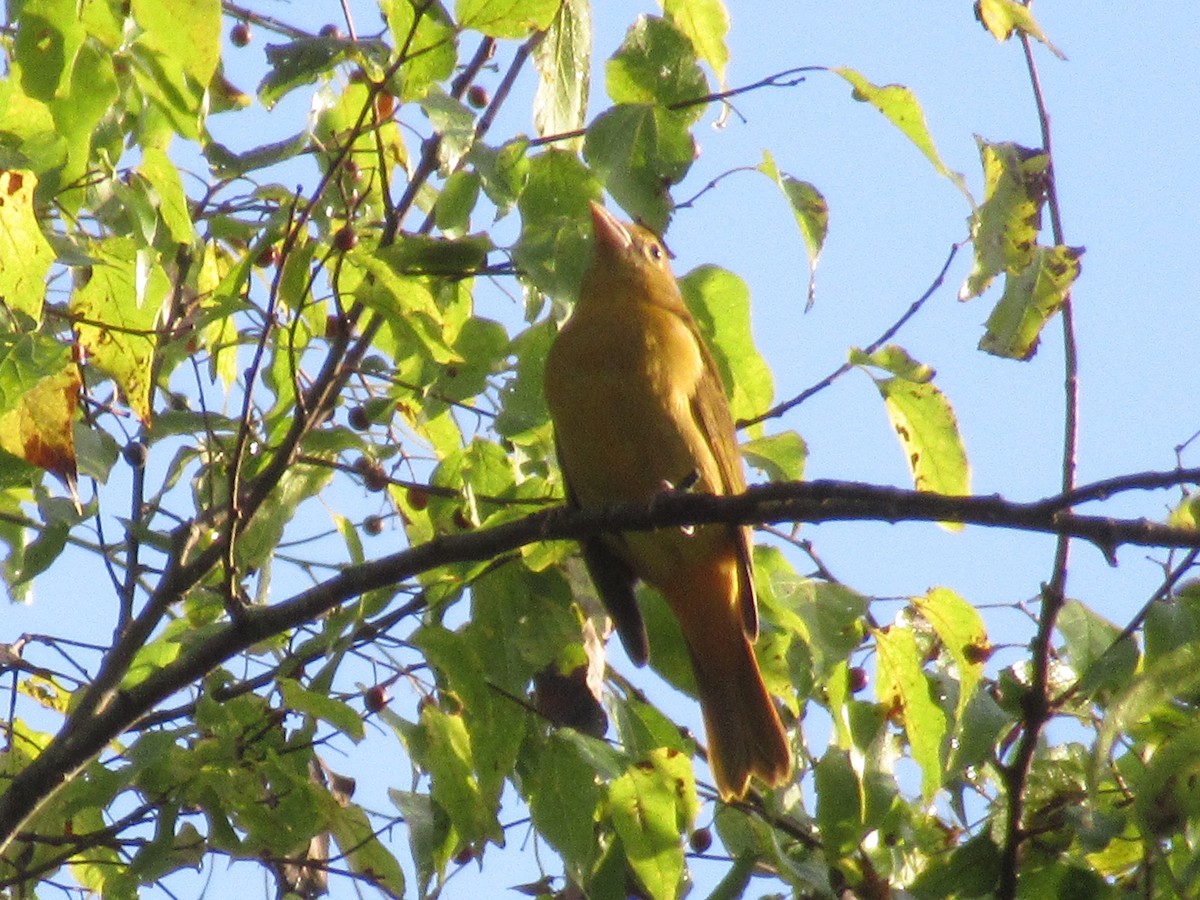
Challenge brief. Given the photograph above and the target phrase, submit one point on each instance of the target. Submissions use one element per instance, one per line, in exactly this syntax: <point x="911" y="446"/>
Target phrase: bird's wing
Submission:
<point x="716" y="423"/>
<point x="614" y="581"/>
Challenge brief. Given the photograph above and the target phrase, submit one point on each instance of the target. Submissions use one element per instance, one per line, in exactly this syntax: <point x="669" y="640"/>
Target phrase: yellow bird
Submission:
<point x="638" y="407"/>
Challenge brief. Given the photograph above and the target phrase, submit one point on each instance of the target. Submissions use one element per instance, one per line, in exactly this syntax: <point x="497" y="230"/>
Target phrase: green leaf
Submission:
<point x="503" y="171"/>
<point x="187" y="34"/>
<point x="118" y="308"/>
<point x="706" y="24"/>
<point x="900" y="107"/>
<point x="781" y="457"/>
<point x="430" y="835"/>
<point x="555" y="240"/>
<point x="639" y="151"/>
<point x="1002" y="17"/>
<point x="40" y="553"/>
<point x="441" y="746"/>
<point x="564" y="796"/>
<point x="1005" y="227"/>
<point x="427" y="36"/>
<point x="903" y="688"/>
<point x="299" y="62"/>
<point x="454" y="123"/>
<point x="656" y="64"/>
<point x="172" y="205"/>
<point x="1031" y="298"/>
<point x="1101" y="662"/>
<point x="960" y="628"/>
<point x="563" y="63"/>
<point x="840" y="802"/>
<point x="809" y="209"/>
<point x="896" y="361"/>
<point x="321" y="706"/>
<point x="506" y="18"/>
<point x="456" y="202"/>
<point x="365" y="853"/>
<point x="25" y="254"/>
<point x="972" y="870"/>
<point x="652" y="805"/>
<point x="928" y="431"/>
<point x="260" y="538"/>
<point x="31" y="139"/>
<point x="720" y="301"/>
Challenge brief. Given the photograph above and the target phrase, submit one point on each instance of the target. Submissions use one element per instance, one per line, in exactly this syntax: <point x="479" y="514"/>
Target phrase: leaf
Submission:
<point x="900" y="107"/>
<point x="639" y="151"/>
<point x="302" y="61"/>
<point x="117" y="308"/>
<point x="1002" y="17"/>
<point x="365" y="853"/>
<point x="706" y="24"/>
<point x="454" y="123"/>
<point x="960" y="628"/>
<point x="430" y="835"/>
<point x="903" y="688"/>
<point x="840" y="801"/>
<point x="39" y="388"/>
<point x="187" y="34"/>
<point x="720" y="301"/>
<point x="563" y="63"/>
<point x="923" y="420"/>
<point x="652" y="804"/>
<point x="552" y="250"/>
<point x="563" y="798"/>
<point x="1005" y="227"/>
<point x="810" y="211"/>
<point x="172" y="205"/>
<point x="321" y="706"/>
<point x="506" y="18"/>
<point x="780" y="457"/>
<point x="1100" y="660"/>
<point x="441" y="746"/>
<point x="1030" y="299"/>
<point x="25" y="254"/>
<point x="428" y="36"/>
<point x="656" y="64"/>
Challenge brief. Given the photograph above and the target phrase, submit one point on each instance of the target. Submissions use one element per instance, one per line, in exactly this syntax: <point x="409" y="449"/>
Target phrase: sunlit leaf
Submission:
<point x="809" y="209"/>
<point x="563" y="62"/>
<point x="1002" y="17"/>
<point x="656" y="64"/>
<point x="900" y="107"/>
<point x="706" y="23"/>
<point x="506" y="18"/>
<point x="118" y="307"/>
<point x="1031" y="297"/>
<point x="1005" y="227"/>
<point x="720" y="301"/>
<point x="905" y="690"/>
<point x="25" y="254"/>
<point x="652" y="805"/>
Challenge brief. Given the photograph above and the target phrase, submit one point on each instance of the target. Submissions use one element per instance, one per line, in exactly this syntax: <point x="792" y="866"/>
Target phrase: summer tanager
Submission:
<point x="638" y="407"/>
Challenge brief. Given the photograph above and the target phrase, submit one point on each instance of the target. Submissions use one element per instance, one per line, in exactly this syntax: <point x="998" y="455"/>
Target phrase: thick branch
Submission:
<point x="819" y="501"/>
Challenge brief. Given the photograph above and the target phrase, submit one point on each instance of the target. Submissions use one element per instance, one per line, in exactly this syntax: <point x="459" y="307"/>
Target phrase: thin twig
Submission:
<point x="781" y="408"/>
<point x="1037" y="706"/>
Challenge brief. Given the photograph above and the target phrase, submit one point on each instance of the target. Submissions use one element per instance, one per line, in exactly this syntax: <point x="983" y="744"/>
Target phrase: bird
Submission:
<point x="638" y="407"/>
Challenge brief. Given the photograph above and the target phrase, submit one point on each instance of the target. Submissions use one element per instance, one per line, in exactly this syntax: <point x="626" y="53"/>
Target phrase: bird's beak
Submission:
<point x="609" y="232"/>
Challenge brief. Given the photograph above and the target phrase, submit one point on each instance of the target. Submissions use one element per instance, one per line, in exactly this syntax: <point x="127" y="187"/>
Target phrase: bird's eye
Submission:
<point x="655" y="252"/>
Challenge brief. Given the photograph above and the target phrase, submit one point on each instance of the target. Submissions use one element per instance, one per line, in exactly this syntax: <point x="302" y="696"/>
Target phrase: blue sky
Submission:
<point x="1126" y="139"/>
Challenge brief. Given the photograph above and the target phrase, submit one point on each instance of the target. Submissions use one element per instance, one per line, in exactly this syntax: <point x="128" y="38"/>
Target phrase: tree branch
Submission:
<point x="93" y="725"/>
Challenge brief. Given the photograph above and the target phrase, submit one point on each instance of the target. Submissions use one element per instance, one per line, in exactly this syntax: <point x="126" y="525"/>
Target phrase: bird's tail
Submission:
<point x="745" y="736"/>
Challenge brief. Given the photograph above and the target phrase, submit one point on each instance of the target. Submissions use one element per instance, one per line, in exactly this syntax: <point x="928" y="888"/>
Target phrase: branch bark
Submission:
<point x="92" y="726"/>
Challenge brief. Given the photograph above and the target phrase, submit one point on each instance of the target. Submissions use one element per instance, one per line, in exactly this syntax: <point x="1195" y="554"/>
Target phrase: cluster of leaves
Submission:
<point x="231" y="368"/>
